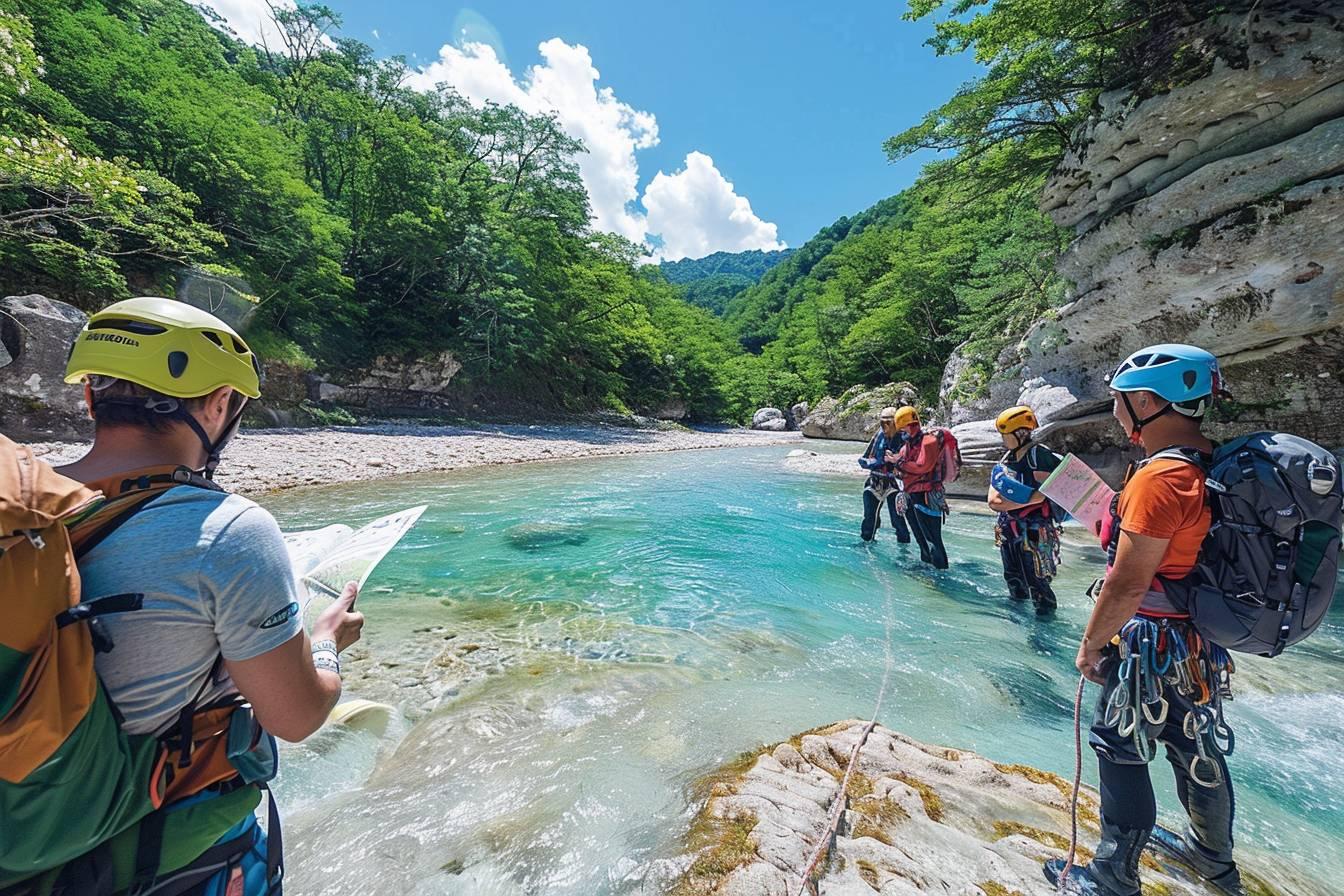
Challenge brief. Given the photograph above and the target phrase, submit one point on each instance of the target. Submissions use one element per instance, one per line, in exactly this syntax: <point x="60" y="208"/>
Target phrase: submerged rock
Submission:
<point x="917" y="819"/>
<point x="533" y="536"/>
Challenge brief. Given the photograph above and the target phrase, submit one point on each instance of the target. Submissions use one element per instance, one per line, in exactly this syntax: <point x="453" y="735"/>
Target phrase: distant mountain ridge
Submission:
<point x="710" y="282"/>
<point x="752" y="263"/>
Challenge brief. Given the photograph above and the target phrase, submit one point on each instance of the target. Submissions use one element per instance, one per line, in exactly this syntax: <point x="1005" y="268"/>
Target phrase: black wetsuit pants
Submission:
<point x="1019" y="571"/>
<point x="872" y="509"/>
<point x="1127" y="791"/>
<point x="927" y="529"/>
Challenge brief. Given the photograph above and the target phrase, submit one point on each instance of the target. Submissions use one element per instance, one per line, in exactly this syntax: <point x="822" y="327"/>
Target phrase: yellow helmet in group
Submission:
<point x="171" y="347"/>
<point x="1015" y="418"/>
<point x="905" y="416"/>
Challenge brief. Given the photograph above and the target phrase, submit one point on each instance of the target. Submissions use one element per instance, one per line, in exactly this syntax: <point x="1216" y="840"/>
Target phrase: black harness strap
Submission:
<point x="148" y="852"/>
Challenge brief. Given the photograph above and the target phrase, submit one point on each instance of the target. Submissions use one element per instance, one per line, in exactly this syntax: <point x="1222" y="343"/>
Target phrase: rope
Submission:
<point x="838" y="803"/>
<point x="1077" y="784"/>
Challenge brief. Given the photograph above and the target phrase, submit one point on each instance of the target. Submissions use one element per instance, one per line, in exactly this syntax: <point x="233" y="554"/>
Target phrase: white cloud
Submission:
<point x="249" y="19"/>
<point x="694" y="211"/>
<point x="697" y="211"/>
<point x="376" y="36"/>
<point x="565" y="82"/>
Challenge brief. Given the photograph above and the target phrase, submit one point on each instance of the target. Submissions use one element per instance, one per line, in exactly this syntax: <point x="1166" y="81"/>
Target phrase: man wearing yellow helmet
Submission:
<point x="1026" y="532"/>
<point x="219" y="617"/>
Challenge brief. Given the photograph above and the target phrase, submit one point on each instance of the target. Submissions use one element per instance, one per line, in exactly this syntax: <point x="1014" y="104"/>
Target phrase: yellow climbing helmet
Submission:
<point x="1015" y="418"/>
<point x="905" y="416"/>
<point x="165" y="345"/>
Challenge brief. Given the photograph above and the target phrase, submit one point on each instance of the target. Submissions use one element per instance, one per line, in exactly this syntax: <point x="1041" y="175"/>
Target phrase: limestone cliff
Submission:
<point x="1210" y="213"/>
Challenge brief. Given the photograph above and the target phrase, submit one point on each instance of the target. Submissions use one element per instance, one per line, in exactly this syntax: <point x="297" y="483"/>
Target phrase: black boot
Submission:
<point x="1206" y="846"/>
<point x="1218" y="871"/>
<point x="1114" y="870"/>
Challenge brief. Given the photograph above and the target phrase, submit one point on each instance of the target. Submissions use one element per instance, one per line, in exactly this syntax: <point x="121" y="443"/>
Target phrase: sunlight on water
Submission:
<point x="571" y="645"/>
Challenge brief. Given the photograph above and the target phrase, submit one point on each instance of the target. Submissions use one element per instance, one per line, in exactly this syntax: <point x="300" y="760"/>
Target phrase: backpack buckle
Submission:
<point x="35" y="538"/>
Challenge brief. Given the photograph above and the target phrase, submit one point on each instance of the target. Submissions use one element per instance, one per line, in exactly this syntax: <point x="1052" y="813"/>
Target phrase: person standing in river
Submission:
<point x="1026" y="532"/>
<point x="919" y="464"/>
<point x="214" y="655"/>
<point x="1154" y="534"/>
<point x="883" y="485"/>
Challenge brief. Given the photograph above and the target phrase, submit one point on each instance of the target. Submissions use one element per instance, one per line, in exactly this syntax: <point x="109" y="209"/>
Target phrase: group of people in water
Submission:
<point x="199" y="646"/>
<point x="1135" y="635"/>
<point x="907" y="467"/>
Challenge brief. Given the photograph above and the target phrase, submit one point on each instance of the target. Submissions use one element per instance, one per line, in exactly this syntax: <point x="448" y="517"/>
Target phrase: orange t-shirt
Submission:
<point x="1165" y="499"/>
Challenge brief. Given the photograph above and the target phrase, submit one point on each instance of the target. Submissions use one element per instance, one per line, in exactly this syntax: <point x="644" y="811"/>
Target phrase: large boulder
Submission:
<point x="769" y="420"/>
<point x="35" y="403"/>
<point x="853" y="416"/>
<point x="1208" y="213"/>
<point x="915" y="819"/>
<point x="797" y="414"/>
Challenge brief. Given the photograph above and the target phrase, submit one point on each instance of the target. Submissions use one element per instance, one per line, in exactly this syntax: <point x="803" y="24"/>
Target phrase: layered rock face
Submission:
<point x="1211" y="214"/>
<point x="916" y="819"/>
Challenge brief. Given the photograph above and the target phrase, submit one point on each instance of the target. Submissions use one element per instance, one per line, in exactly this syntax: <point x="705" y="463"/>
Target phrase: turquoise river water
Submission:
<point x="635" y="622"/>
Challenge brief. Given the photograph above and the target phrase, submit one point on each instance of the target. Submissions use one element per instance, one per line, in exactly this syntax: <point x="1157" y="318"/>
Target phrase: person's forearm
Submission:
<point x="1115" y="606"/>
<point x="999" y="502"/>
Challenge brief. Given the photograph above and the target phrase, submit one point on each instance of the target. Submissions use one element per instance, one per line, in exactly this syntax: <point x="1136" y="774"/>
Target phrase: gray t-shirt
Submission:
<point x="216" y="580"/>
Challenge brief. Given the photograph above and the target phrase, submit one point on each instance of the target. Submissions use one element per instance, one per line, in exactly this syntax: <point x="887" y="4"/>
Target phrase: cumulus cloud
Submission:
<point x="696" y="211"/>
<point x="564" y="82"/>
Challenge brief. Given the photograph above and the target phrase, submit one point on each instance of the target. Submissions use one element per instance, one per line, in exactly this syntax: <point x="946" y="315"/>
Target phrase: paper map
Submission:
<point x="1075" y="487"/>
<point x="325" y="559"/>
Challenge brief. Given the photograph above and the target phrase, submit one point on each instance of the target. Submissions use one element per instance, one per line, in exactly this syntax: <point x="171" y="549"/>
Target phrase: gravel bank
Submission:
<point x="261" y="461"/>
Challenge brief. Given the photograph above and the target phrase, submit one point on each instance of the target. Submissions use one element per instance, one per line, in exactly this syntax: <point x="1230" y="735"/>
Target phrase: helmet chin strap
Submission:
<point x="1140" y="422"/>
<point x="173" y="410"/>
<point x="212" y="449"/>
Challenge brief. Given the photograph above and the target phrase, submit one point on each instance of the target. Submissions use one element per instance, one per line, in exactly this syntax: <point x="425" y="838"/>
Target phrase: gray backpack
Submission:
<point x="1268" y="567"/>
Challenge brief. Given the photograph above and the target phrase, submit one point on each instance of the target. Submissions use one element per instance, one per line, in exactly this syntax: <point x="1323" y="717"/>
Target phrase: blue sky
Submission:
<point x="788" y="102"/>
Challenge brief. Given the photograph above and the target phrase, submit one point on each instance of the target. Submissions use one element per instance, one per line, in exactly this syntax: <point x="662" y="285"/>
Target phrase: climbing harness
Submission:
<point x="838" y="802"/>
<point x="1160" y="653"/>
<point x="1038" y="536"/>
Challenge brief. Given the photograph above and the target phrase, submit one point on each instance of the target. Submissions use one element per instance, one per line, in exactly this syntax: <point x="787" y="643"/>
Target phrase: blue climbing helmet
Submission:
<point x="1186" y="376"/>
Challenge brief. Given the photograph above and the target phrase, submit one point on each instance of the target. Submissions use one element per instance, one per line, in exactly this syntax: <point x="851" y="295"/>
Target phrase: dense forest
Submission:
<point x="144" y="148"/>
<point x="711" y="281"/>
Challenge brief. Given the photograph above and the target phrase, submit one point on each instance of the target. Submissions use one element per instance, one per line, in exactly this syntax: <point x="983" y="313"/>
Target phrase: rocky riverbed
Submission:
<point x="269" y="460"/>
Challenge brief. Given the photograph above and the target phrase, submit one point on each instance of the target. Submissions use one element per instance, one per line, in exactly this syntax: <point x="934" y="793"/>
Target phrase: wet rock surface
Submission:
<point x="917" y="819"/>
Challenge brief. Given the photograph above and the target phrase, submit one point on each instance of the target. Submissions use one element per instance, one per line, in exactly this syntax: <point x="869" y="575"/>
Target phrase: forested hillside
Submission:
<point x="144" y="147"/>
<point x="964" y="257"/>
<point x="711" y="281"/>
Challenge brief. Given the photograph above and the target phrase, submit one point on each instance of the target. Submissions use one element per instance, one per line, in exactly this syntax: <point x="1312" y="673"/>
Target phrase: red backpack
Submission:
<point x="949" y="464"/>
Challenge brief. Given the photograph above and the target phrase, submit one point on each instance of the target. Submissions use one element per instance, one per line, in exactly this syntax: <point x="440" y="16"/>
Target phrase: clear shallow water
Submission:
<point x="649" y="618"/>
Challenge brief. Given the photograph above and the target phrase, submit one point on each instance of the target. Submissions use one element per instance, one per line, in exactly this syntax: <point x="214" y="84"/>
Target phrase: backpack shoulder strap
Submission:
<point x="128" y="494"/>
